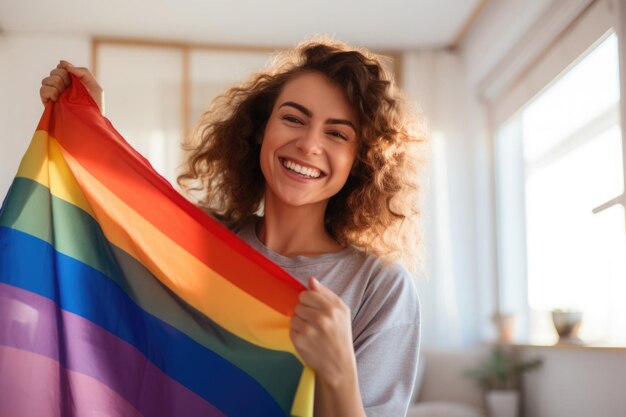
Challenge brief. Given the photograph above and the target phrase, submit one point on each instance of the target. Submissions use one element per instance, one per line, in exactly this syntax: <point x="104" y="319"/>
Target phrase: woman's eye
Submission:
<point x="338" y="135"/>
<point x="292" y="119"/>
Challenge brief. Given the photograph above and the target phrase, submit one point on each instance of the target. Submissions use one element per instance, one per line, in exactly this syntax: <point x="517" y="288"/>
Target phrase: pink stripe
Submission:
<point x="25" y="389"/>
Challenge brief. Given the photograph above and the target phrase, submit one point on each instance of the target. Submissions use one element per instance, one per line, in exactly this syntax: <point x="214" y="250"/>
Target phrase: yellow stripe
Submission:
<point x="181" y="272"/>
<point x="53" y="173"/>
<point x="304" y="398"/>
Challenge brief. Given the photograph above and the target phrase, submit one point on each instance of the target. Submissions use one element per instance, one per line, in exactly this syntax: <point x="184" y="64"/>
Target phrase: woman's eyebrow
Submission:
<point x="309" y="113"/>
<point x="297" y="106"/>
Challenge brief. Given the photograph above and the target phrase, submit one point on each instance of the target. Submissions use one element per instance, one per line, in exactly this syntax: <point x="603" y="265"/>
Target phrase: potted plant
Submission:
<point x="499" y="375"/>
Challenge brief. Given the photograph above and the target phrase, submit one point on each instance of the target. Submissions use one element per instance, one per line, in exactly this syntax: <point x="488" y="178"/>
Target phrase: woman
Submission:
<point x="312" y="163"/>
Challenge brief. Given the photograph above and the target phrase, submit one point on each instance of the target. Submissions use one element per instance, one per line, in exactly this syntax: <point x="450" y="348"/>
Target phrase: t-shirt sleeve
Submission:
<point x="386" y="345"/>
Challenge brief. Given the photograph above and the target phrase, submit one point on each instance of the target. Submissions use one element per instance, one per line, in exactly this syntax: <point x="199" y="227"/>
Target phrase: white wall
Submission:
<point x="449" y="295"/>
<point x="575" y="382"/>
<point x="26" y="59"/>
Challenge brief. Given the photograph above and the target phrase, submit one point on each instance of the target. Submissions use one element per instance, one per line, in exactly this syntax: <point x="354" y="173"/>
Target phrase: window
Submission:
<point x="559" y="172"/>
<point x="171" y="85"/>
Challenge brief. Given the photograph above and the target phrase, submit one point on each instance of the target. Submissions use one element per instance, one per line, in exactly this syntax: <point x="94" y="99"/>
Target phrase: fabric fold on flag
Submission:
<point x="118" y="296"/>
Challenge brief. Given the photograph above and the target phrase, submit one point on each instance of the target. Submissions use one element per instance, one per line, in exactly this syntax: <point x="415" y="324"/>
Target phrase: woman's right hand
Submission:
<point x="59" y="80"/>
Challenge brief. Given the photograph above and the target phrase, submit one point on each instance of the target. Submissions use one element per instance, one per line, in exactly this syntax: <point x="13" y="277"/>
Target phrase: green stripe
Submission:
<point x="30" y="208"/>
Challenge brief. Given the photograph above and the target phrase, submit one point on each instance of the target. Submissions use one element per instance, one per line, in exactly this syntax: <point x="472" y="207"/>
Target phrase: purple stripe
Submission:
<point x="34" y="323"/>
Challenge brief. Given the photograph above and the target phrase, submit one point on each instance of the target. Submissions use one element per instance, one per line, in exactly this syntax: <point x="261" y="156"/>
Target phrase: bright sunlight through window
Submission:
<point x="562" y="157"/>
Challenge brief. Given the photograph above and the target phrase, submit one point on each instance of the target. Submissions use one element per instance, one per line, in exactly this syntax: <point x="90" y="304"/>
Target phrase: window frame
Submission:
<point x="551" y="47"/>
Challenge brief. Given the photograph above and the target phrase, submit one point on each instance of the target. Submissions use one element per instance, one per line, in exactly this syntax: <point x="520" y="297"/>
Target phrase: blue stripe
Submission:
<point x="32" y="264"/>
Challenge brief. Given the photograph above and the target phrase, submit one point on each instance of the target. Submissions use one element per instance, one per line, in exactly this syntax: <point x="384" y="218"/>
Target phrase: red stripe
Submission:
<point x="76" y="122"/>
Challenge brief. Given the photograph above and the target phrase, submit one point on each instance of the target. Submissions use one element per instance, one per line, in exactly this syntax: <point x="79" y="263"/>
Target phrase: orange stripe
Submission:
<point x="129" y="176"/>
<point x="196" y="283"/>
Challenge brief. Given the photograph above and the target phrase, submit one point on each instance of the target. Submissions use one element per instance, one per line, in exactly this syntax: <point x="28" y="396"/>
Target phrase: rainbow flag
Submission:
<point x="118" y="297"/>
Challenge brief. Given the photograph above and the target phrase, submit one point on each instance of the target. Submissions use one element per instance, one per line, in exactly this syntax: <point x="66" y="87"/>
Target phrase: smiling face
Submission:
<point x="310" y="142"/>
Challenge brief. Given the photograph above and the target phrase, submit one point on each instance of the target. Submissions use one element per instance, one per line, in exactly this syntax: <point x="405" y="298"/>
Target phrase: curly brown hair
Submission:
<point x="376" y="210"/>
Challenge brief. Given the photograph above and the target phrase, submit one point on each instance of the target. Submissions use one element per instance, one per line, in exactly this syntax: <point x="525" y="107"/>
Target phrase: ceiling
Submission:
<point x="384" y="24"/>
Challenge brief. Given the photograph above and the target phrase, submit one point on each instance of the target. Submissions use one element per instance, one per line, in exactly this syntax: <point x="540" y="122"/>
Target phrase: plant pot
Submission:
<point x="566" y="324"/>
<point x="505" y="324"/>
<point x="502" y="403"/>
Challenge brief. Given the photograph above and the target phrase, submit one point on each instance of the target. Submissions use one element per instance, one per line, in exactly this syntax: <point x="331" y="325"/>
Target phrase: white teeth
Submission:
<point x="308" y="172"/>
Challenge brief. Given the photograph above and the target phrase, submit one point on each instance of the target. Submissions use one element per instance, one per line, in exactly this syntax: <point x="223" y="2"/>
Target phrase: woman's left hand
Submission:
<point x="321" y="332"/>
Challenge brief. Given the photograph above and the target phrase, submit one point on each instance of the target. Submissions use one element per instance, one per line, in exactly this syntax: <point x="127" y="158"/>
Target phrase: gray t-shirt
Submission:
<point x="385" y="318"/>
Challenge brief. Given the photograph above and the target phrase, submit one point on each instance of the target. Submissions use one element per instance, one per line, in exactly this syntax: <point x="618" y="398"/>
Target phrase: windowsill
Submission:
<point x="606" y="347"/>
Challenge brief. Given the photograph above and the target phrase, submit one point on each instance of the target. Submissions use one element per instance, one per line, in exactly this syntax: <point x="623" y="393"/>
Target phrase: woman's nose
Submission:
<point x="310" y="142"/>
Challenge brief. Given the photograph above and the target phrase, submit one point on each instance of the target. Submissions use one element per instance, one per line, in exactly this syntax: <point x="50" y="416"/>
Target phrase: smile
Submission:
<point x="306" y="172"/>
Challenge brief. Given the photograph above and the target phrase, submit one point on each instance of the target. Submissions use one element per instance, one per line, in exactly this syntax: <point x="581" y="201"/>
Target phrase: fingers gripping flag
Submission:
<point x="118" y="297"/>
